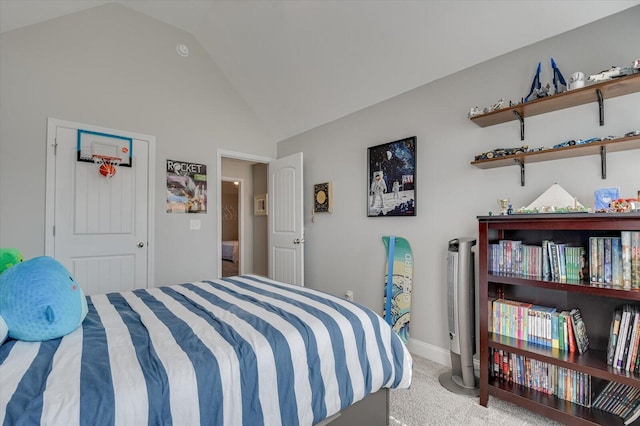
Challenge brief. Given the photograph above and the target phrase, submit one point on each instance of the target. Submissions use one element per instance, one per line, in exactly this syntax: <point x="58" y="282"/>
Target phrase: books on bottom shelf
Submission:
<point x="540" y="325"/>
<point x="623" y="349"/>
<point x="620" y="400"/>
<point x="541" y="376"/>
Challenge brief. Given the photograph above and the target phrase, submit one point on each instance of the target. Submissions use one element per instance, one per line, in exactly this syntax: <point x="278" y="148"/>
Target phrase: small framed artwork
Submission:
<point x="322" y="197"/>
<point x="391" y="188"/>
<point x="260" y="206"/>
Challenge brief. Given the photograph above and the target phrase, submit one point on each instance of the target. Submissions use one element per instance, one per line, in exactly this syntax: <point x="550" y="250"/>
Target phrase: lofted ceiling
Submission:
<point x="303" y="63"/>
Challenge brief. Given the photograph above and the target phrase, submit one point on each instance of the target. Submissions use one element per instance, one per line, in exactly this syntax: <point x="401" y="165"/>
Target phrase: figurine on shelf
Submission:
<point x="558" y="78"/>
<point x="504" y="206"/>
<point x="535" y="84"/>
<point x="576" y="80"/>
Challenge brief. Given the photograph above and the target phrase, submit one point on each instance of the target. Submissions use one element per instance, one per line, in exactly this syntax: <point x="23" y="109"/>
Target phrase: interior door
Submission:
<point x="286" y="224"/>
<point x="100" y="224"/>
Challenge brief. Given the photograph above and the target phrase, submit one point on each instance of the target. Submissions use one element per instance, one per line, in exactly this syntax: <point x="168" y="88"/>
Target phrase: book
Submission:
<point x="625" y="238"/>
<point x="622" y="337"/>
<point x="593" y="259"/>
<point x="635" y="259"/>
<point x="616" y="262"/>
<point x="613" y="335"/>
<point x="579" y="331"/>
<point x="570" y="337"/>
<point x="632" y="340"/>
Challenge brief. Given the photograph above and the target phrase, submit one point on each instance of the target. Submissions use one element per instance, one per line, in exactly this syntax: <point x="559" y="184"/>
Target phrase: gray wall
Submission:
<point x="344" y="249"/>
<point x="116" y="68"/>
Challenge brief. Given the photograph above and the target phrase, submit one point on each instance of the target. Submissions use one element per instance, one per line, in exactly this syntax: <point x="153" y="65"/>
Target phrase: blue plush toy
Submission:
<point x="39" y="300"/>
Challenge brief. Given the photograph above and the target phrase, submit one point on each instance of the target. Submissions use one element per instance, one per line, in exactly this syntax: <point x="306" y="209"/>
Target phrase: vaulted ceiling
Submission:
<point x="299" y="64"/>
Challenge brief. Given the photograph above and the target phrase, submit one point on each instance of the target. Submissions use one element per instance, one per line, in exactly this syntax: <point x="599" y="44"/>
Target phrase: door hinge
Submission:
<point x="54" y="230"/>
<point x="55" y="146"/>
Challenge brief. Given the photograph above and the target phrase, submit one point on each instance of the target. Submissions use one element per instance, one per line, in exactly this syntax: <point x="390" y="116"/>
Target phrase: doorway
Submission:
<point x="251" y="174"/>
<point x="231" y="194"/>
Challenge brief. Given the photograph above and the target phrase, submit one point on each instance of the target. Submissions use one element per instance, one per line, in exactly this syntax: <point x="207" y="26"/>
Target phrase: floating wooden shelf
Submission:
<point x="593" y="148"/>
<point x="609" y="89"/>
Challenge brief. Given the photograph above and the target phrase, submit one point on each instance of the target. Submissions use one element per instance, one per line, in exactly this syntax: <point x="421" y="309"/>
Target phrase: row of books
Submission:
<point x="621" y="400"/>
<point x="623" y="350"/>
<point x="541" y="376"/>
<point x="542" y="325"/>
<point x="614" y="262"/>
<point x="550" y="261"/>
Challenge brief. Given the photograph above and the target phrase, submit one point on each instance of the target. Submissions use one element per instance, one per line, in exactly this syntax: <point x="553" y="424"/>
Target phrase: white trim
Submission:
<point x="236" y="156"/>
<point x="436" y="353"/>
<point x="49" y="204"/>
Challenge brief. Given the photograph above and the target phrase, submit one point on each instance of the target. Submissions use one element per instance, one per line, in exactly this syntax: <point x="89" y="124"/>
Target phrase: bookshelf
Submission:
<point x="596" y="304"/>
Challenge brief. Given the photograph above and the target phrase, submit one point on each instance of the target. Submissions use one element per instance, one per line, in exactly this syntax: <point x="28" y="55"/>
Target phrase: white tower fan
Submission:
<point x="461" y="318"/>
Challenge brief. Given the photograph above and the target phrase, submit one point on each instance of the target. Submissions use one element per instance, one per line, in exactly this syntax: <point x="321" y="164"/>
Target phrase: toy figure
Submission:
<point x="396" y="189"/>
<point x="557" y="77"/>
<point x="378" y="187"/>
<point x="535" y="84"/>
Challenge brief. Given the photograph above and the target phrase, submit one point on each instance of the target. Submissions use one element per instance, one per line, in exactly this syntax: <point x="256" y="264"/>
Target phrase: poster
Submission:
<point x="186" y="187"/>
<point x="391" y="183"/>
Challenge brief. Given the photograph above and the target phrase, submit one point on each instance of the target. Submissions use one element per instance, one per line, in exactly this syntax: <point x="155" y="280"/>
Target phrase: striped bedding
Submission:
<point x="234" y="351"/>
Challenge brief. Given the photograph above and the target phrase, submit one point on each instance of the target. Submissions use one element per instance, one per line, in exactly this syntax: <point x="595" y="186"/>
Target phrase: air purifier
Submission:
<point x="461" y="317"/>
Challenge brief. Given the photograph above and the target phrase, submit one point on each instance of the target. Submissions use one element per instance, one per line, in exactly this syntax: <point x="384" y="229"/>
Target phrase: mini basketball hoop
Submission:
<point x="108" y="165"/>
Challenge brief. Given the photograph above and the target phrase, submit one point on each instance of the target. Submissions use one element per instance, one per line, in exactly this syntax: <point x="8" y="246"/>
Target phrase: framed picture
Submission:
<point x="322" y="197"/>
<point x="260" y="206"/>
<point x="391" y="188"/>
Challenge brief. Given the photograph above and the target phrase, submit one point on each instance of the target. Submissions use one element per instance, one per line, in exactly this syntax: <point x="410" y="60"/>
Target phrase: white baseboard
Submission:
<point x="435" y="353"/>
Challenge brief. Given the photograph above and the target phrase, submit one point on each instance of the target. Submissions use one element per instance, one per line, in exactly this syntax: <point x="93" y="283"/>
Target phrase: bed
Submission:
<point x="243" y="350"/>
<point x="230" y="251"/>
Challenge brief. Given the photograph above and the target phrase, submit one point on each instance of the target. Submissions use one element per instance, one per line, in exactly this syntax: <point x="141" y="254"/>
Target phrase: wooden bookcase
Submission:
<point x="596" y="304"/>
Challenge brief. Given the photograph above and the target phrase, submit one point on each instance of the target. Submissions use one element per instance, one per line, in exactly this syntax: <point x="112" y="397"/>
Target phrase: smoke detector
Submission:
<point x="182" y="49"/>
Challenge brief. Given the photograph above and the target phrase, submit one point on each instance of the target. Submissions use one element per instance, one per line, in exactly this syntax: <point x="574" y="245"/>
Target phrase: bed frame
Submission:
<point x="371" y="411"/>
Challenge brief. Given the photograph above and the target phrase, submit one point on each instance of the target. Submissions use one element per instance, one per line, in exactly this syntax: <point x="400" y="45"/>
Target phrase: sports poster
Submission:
<point x="186" y="187"/>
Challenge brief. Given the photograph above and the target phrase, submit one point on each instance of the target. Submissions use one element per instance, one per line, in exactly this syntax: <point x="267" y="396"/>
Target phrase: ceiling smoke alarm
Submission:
<point x="182" y="49"/>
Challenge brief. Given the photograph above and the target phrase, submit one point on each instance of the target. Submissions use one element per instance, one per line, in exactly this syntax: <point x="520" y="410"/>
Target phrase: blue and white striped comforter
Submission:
<point x="238" y="351"/>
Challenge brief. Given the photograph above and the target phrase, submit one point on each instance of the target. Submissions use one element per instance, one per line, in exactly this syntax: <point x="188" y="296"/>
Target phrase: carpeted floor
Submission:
<point x="428" y="403"/>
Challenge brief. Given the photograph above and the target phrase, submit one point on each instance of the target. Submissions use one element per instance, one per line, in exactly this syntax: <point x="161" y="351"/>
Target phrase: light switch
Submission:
<point x="194" y="225"/>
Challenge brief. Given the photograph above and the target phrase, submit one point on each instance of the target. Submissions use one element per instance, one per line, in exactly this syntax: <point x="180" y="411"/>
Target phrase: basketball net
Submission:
<point x="107" y="165"/>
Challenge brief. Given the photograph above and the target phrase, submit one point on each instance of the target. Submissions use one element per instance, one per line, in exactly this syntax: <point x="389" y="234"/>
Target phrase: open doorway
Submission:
<point x="231" y="190"/>
<point x="252" y="233"/>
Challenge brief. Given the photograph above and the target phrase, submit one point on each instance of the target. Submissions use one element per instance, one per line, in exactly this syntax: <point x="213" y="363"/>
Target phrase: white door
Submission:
<point x="286" y="224"/>
<point x="98" y="227"/>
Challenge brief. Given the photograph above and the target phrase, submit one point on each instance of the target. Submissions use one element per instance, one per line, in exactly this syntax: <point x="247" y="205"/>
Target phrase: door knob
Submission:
<point x="298" y="241"/>
<point x="140" y="244"/>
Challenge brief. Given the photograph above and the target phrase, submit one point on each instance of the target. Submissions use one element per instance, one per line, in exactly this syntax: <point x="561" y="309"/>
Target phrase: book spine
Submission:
<point x="593" y="259"/>
<point x="635" y="260"/>
<point x="625" y="237"/>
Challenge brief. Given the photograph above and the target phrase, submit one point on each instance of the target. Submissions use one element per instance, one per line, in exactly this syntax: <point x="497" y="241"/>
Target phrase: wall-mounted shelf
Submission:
<point x="592" y="93"/>
<point x="594" y="148"/>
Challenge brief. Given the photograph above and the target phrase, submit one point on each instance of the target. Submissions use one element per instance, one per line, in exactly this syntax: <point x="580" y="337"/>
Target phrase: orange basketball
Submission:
<point x="107" y="170"/>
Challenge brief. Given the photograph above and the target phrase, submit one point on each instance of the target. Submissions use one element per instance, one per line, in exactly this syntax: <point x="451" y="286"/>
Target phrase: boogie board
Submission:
<point x="398" y="282"/>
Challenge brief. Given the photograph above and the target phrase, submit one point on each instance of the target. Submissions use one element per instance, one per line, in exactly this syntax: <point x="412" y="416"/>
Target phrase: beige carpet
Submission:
<point x="428" y="403"/>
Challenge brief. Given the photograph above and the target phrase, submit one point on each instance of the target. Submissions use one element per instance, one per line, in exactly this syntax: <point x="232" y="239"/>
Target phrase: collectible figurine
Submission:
<point x="557" y="77"/>
<point x="535" y="84"/>
<point x="576" y="80"/>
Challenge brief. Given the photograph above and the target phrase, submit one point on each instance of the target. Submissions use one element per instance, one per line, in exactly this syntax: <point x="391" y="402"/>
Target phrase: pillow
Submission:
<point x="40" y="300"/>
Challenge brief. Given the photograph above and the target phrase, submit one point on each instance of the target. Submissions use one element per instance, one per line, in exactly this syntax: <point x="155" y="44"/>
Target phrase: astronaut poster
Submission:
<point x="391" y="178"/>
<point x="186" y="187"/>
